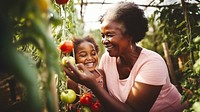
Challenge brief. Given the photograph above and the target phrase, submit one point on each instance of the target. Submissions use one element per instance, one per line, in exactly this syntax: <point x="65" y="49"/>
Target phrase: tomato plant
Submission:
<point x="61" y="2"/>
<point x="66" y="46"/>
<point x="68" y="97"/>
<point x="86" y="99"/>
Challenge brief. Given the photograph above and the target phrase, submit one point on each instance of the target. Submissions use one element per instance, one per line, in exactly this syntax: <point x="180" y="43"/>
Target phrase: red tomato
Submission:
<point x="96" y="107"/>
<point x="66" y="46"/>
<point x="61" y="1"/>
<point x="86" y="99"/>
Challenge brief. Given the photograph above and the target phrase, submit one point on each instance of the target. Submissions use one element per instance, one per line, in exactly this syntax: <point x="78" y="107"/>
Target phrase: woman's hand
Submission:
<point x="79" y="74"/>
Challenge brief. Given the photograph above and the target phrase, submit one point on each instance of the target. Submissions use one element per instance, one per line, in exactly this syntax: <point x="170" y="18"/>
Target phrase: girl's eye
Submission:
<point x="82" y="54"/>
<point x="94" y="53"/>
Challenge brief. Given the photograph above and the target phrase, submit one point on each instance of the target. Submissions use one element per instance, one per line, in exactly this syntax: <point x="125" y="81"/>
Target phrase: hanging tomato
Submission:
<point x="66" y="46"/>
<point x="61" y="2"/>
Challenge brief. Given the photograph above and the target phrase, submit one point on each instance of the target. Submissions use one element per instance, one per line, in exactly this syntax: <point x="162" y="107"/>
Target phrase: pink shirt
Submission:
<point x="150" y="68"/>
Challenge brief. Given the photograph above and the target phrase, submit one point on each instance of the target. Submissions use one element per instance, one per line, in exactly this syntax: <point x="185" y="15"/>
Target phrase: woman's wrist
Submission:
<point x="93" y="85"/>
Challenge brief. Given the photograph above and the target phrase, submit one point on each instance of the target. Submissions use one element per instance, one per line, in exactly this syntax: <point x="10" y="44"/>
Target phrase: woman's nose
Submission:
<point x="105" y="40"/>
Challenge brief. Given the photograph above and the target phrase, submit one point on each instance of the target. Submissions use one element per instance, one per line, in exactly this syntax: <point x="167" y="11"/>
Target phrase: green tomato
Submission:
<point x="68" y="58"/>
<point x="68" y="97"/>
<point x="85" y="109"/>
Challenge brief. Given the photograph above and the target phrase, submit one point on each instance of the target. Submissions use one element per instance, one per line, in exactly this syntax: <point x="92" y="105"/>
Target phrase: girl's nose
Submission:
<point x="89" y="57"/>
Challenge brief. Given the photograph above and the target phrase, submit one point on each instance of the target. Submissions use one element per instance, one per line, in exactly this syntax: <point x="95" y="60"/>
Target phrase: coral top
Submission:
<point x="150" y="68"/>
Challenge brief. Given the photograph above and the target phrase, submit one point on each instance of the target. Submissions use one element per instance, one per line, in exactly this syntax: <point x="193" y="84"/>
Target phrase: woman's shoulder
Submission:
<point x="105" y="54"/>
<point x="106" y="57"/>
<point x="150" y="54"/>
<point x="151" y="58"/>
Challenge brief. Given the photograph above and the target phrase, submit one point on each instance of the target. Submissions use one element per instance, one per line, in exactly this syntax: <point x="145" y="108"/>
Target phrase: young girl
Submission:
<point x="86" y="52"/>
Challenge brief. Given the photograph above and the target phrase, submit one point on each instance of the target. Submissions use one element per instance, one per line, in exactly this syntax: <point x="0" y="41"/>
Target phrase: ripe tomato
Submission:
<point x="86" y="99"/>
<point x="68" y="97"/>
<point x="96" y="107"/>
<point x="66" y="46"/>
<point x="61" y="1"/>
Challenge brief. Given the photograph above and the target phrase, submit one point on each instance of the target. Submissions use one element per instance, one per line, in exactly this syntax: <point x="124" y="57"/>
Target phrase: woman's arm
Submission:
<point x="72" y="85"/>
<point x="110" y="103"/>
<point x="142" y="96"/>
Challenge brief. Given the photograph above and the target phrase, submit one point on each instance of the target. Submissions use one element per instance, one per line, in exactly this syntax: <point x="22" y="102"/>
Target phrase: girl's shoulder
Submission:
<point x="101" y="72"/>
<point x="103" y="78"/>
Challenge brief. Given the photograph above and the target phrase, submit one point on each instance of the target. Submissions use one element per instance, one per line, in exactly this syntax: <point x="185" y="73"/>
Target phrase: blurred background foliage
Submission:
<point x="31" y="30"/>
<point x="177" y="26"/>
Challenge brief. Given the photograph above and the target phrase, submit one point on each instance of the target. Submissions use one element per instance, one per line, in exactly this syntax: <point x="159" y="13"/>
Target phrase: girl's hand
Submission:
<point x="79" y="74"/>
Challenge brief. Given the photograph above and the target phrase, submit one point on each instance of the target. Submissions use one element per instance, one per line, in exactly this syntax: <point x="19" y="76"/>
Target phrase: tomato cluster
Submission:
<point x="67" y="96"/>
<point x="66" y="47"/>
<point x="89" y="103"/>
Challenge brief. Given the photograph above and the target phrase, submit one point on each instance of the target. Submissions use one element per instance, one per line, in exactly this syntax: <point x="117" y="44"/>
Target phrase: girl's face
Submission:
<point x="116" y="42"/>
<point x="87" y="55"/>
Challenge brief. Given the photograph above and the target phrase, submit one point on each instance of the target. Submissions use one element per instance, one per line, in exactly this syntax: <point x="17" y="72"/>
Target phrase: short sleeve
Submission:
<point x="153" y="72"/>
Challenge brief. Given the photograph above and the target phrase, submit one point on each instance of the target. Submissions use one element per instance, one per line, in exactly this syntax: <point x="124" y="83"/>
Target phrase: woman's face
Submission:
<point x="113" y="38"/>
<point x="87" y="55"/>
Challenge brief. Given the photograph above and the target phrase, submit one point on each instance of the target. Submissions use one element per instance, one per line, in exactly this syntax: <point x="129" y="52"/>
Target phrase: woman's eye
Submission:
<point x="102" y="35"/>
<point x="109" y="36"/>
